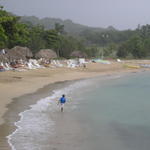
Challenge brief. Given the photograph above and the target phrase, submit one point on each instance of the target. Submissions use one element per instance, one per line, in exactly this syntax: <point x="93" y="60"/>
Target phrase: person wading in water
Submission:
<point x="62" y="102"/>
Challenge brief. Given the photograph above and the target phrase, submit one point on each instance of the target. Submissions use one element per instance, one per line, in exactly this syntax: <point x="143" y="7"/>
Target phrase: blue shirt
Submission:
<point x="62" y="100"/>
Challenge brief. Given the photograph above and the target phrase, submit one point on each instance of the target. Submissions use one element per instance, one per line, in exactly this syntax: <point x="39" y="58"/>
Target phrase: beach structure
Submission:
<point x="3" y="57"/>
<point x="79" y="61"/>
<point x="18" y="53"/>
<point x="45" y="57"/>
<point x="46" y="54"/>
<point x="78" y="54"/>
<point x="19" y="59"/>
<point x="15" y="58"/>
<point x="82" y="61"/>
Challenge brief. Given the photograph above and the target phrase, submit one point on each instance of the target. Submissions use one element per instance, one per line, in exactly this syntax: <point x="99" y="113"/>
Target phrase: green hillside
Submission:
<point x="69" y="26"/>
<point x="65" y="37"/>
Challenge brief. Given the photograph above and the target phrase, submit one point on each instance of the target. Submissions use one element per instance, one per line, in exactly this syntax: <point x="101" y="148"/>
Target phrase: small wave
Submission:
<point x="35" y="125"/>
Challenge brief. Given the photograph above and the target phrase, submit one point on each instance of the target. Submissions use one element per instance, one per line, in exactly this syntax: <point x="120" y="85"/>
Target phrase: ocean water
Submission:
<point x="117" y="113"/>
<point x="105" y="113"/>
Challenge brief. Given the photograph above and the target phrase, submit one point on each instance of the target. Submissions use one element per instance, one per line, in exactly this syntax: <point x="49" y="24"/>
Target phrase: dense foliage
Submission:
<point x="65" y="37"/>
<point x="36" y="37"/>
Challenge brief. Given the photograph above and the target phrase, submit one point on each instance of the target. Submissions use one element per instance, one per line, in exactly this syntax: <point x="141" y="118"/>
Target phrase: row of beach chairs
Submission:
<point x="21" y="65"/>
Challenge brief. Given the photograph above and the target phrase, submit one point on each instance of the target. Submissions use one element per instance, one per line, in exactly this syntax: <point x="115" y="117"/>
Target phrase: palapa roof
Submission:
<point x="46" y="53"/>
<point x="3" y="58"/>
<point x="19" y="52"/>
<point x="16" y="53"/>
<point x="78" y="54"/>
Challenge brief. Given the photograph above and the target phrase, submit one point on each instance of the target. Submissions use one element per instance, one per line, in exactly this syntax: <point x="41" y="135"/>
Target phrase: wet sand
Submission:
<point x="15" y="84"/>
<point x="20" y="89"/>
<point x="20" y="104"/>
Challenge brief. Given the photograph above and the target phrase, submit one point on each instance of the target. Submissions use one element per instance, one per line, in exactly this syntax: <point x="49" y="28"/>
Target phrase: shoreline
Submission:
<point x="38" y="84"/>
<point x="26" y="85"/>
<point x="22" y="104"/>
<point x="15" y="84"/>
<point x="33" y="98"/>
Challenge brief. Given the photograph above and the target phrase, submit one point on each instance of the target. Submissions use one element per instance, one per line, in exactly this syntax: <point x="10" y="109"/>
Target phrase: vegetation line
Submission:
<point x="64" y="37"/>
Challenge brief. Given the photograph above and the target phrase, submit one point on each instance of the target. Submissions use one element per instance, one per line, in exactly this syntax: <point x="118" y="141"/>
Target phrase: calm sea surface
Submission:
<point x="114" y="114"/>
<point x="117" y="112"/>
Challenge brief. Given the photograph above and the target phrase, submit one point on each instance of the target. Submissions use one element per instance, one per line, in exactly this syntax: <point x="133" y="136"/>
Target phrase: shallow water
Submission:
<point x="107" y="113"/>
<point x="117" y="113"/>
<point x="39" y="124"/>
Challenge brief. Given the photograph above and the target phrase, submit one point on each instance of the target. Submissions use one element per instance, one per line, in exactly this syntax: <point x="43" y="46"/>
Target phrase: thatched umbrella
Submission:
<point x="46" y="53"/>
<point x="19" y="53"/>
<point x="3" y="58"/>
<point x="78" y="54"/>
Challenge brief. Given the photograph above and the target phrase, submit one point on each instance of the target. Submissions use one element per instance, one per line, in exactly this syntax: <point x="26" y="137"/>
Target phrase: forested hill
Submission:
<point x="69" y="26"/>
<point x="65" y="37"/>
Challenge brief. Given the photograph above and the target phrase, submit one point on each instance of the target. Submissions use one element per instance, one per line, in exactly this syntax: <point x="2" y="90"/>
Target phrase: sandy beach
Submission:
<point x="15" y="84"/>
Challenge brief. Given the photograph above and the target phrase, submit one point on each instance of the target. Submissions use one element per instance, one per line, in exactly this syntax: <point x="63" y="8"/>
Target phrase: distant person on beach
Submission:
<point x="62" y="102"/>
<point x="84" y="65"/>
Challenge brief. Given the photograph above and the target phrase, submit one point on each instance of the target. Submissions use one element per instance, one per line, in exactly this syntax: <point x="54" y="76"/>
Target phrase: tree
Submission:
<point x="94" y="51"/>
<point x="3" y="37"/>
<point x="67" y="45"/>
<point x="7" y="30"/>
<point x="136" y="47"/>
<point x="1" y="7"/>
<point x="37" y="40"/>
<point x="111" y="50"/>
<point x="52" y="39"/>
<point x="59" y="28"/>
<point x="123" y="50"/>
<point x="21" y="36"/>
<point x="144" y="31"/>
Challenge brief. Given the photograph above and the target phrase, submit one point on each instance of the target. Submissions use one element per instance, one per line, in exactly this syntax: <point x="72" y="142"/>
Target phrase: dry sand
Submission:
<point x="14" y="84"/>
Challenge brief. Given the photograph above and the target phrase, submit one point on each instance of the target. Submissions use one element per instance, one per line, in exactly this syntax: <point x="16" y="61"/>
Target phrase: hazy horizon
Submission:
<point x="94" y="13"/>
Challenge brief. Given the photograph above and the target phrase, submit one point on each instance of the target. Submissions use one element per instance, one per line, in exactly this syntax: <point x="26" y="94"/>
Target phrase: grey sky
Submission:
<point x="122" y="14"/>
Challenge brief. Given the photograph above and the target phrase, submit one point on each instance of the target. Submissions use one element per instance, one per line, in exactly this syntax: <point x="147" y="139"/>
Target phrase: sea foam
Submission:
<point x="35" y="125"/>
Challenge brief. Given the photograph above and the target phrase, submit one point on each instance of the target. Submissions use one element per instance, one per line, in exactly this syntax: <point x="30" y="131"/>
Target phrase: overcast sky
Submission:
<point x="122" y="14"/>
